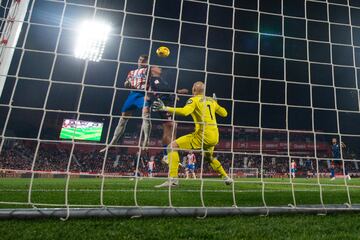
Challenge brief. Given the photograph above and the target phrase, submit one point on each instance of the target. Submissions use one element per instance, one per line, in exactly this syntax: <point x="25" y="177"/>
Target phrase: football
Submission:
<point x="163" y="51"/>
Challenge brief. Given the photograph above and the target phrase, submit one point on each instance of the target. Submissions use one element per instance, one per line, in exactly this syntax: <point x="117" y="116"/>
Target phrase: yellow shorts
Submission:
<point x="196" y="141"/>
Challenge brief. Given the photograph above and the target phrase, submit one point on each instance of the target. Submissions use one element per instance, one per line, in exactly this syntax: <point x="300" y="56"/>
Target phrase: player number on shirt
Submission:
<point x="210" y="111"/>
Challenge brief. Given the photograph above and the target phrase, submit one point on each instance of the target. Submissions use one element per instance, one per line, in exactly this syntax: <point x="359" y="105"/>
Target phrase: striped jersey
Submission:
<point x="137" y="78"/>
<point x="191" y="158"/>
<point x="151" y="165"/>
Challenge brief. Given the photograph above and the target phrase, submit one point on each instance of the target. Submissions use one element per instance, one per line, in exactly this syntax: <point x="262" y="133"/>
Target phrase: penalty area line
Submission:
<point x="166" y="190"/>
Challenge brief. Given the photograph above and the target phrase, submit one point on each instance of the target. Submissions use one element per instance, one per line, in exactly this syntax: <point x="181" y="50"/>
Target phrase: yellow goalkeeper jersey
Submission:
<point x="203" y="110"/>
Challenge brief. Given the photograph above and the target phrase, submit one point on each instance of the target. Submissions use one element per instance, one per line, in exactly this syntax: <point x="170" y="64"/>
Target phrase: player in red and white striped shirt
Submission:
<point x="190" y="168"/>
<point x="151" y="166"/>
<point x="293" y="168"/>
<point x="137" y="81"/>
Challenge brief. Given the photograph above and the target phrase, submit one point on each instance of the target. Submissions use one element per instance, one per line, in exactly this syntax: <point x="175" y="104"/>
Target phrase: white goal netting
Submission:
<point x="285" y="70"/>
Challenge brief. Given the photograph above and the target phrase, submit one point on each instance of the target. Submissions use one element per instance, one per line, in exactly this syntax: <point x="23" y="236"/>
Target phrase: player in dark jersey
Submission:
<point x="336" y="154"/>
<point x="162" y="90"/>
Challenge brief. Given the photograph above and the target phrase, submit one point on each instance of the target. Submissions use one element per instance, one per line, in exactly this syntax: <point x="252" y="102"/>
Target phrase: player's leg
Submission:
<point x="215" y="164"/>
<point x="143" y="103"/>
<point x="332" y="170"/>
<point x="193" y="172"/>
<point x="344" y="169"/>
<point x="120" y="128"/>
<point x="183" y="142"/>
<point x="146" y="126"/>
<point x="174" y="160"/>
<point x="169" y="134"/>
<point x="130" y="104"/>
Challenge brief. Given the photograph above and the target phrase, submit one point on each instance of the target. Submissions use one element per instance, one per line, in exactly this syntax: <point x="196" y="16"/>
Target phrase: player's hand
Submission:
<point x="155" y="71"/>
<point x="127" y="83"/>
<point x="183" y="91"/>
<point x="158" y="105"/>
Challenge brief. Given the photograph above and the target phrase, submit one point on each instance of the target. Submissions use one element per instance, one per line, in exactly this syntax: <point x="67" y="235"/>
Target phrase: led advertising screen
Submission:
<point x="81" y="130"/>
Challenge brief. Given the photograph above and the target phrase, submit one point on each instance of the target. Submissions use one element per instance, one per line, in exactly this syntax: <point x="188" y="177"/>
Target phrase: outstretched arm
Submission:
<point x="183" y="91"/>
<point x="220" y="110"/>
<point x="158" y="105"/>
<point x="184" y="111"/>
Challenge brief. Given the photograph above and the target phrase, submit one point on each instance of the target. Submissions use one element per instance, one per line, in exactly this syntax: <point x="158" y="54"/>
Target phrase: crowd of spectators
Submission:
<point x="55" y="157"/>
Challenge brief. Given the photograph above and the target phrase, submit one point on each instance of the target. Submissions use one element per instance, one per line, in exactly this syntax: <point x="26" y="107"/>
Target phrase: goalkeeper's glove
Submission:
<point x="158" y="105"/>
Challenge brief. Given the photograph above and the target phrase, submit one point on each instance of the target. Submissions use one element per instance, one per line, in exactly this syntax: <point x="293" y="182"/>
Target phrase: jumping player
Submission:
<point x="190" y="168"/>
<point x="137" y="81"/>
<point x="206" y="134"/>
<point x="160" y="87"/>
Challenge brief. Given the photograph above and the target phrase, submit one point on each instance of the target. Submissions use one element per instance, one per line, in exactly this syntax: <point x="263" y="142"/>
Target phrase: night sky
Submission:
<point x="285" y="61"/>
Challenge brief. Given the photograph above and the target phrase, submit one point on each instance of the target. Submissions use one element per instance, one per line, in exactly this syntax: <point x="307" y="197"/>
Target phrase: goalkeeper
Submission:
<point x="206" y="134"/>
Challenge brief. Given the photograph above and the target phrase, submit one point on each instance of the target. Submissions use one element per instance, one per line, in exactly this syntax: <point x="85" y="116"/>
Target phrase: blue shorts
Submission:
<point x="134" y="101"/>
<point x="191" y="167"/>
<point x="293" y="170"/>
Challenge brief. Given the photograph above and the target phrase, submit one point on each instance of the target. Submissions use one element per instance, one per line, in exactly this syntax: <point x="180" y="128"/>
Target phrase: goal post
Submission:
<point x="12" y="23"/>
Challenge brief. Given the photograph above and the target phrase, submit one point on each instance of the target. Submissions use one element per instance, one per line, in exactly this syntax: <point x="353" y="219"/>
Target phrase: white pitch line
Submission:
<point x="165" y="190"/>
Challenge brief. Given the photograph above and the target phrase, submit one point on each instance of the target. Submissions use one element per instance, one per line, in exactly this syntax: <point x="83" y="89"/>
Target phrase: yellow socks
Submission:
<point x="174" y="161"/>
<point x="216" y="165"/>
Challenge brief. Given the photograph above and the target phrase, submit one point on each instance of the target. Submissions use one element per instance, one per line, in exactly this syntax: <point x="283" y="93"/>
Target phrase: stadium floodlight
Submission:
<point x="91" y="40"/>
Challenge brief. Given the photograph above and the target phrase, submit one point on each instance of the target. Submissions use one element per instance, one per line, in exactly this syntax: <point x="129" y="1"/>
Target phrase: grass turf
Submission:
<point x="120" y="192"/>
<point x="344" y="226"/>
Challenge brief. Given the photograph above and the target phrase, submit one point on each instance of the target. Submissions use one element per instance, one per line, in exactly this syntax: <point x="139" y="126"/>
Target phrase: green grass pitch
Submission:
<point x="120" y="192"/>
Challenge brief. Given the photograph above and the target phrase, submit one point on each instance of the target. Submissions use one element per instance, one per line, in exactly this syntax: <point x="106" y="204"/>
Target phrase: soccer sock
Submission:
<point x="216" y="165"/>
<point x="174" y="160"/>
<point x="147" y="129"/>
<point x="120" y="129"/>
<point x="332" y="172"/>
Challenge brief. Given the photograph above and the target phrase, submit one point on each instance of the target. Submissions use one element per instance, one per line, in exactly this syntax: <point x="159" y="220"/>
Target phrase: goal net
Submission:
<point x="287" y="71"/>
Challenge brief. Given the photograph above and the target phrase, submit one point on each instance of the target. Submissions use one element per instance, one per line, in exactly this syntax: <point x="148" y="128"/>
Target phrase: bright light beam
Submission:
<point x="91" y="40"/>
